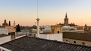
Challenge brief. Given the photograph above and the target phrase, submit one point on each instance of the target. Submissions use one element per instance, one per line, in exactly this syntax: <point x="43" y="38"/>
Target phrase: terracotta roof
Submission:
<point x="36" y="44"/>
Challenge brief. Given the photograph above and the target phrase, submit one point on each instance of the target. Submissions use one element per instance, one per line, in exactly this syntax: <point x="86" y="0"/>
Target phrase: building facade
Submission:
<point x="3" y="31"/>
<point x="55" y="33"/>
<point x="77" y="38"/>
<point x="56" y="29"/>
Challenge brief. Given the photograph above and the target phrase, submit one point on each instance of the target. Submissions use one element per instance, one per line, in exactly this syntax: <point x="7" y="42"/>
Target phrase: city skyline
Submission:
<point x="50" y="12"/>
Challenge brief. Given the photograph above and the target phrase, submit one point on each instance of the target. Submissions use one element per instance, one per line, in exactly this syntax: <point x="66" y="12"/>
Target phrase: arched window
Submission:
<point x="57" y="31"/>
<point x="74" y="41"/>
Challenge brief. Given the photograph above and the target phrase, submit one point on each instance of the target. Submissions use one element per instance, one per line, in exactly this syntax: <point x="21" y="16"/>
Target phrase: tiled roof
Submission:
<point x="2" y="35"/>
<point x="77" y="36"/>
<point x="46" y="33"/>
<point x="36" y="44"/>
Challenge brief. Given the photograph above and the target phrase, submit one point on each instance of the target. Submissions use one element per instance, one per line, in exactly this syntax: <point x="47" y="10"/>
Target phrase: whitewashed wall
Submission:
<point x="44" y="36"/>
<point x="3" y="31"/>
<point x="57" y="37"/>
<point x="5" y="39"/>
<point x="20" y="36"/>
<point x="4" y="49"/>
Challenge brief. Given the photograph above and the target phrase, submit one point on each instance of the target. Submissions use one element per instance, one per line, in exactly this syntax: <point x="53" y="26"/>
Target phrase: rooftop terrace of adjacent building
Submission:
<point x="77" y="36"/>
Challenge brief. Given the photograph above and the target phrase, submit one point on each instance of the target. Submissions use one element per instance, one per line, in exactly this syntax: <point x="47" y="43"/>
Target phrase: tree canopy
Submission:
<point x="18" y="28"/>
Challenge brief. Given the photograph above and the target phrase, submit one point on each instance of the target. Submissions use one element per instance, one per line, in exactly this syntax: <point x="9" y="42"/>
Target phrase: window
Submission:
<point x="57" y="31"/>
<point x="74" y="41"/>
<point x="52" y="30"/>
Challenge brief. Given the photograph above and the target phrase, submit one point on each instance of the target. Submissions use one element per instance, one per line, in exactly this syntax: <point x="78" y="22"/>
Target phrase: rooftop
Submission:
<point x="3" y="35"/>
<point x="77" y="36"/>
<point x="36" y="44"/>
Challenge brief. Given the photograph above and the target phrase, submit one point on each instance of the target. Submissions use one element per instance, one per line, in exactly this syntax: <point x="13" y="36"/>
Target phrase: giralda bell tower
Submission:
<point x="66" y="20"/>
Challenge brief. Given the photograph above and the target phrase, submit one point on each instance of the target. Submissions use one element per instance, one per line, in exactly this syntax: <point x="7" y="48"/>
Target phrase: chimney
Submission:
<point x="9" y="23"/>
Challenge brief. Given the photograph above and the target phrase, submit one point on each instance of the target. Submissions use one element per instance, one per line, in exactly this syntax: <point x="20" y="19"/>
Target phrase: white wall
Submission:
<point x="88" y="43"/>
<point x="44" y="36"/>
<point x="2" y="48"/>
<point x="57" y="37"/>
<point x="3" y="31"/>
<point x="5" y="39"/>
<point x="20" y="36"/>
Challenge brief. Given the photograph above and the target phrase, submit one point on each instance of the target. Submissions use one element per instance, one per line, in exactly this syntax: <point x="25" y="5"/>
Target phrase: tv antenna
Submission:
<point x="37" y="21"/>
<point x="37" y="8"/>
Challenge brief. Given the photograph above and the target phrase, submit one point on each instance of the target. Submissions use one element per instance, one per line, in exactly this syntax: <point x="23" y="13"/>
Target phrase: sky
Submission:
<point x="50" y="12"/>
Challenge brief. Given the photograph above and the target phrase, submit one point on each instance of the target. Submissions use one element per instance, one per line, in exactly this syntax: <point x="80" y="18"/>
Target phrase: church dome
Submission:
<point x="5" y="23"/>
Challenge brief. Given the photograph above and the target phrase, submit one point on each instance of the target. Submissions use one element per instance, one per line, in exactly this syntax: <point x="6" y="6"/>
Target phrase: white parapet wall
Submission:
<point x="57" y="37"/>
<point x="4" y="49"/>
<point x="5" y="39"/>
<point x="20" y="36"/>
<point x="3" y="31"/>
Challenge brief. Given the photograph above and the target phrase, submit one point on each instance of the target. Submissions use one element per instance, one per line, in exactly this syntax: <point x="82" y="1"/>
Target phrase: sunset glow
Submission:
<point x="50" y="12"/>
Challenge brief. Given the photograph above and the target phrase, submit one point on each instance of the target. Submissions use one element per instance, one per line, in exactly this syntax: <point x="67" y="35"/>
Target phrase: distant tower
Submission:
<point x="14" y="24"/>
<point x="66" y="20"/>
<point x="85" y="27"/>
<point x="37" y="27"/>
<point x="9" y="23"/>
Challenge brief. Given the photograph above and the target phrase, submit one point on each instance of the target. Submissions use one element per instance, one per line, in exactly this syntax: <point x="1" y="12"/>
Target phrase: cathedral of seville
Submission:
<point x="66" y="22"/>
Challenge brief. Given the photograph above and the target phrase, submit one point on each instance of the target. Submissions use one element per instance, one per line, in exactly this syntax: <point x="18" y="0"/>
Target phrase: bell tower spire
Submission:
<point x="66" y="15"/>
<point x="66" y="20"/>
